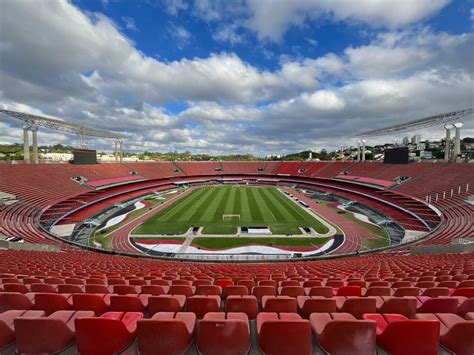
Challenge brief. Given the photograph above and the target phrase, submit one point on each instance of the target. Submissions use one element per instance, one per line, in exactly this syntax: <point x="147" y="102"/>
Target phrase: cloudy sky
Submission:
<point x="234" y="76"/>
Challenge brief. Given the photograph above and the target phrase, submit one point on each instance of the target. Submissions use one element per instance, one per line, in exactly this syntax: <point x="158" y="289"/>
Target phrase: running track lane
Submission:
<point x="353" y="232"/>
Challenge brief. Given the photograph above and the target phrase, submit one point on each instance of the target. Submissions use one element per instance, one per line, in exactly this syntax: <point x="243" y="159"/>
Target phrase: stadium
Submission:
<point x="350" y="255"/>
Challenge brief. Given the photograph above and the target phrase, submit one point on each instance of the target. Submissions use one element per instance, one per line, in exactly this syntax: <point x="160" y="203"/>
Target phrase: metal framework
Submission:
<point x="34" y="120"/>
<point x="441" y="119"/>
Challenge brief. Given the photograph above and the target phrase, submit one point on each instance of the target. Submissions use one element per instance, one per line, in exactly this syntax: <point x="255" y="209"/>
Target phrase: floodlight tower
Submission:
<point x="447" y="147"/>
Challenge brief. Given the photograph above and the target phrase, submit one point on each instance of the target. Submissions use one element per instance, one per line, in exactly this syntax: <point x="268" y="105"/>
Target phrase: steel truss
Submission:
<point x="441" y="119"/>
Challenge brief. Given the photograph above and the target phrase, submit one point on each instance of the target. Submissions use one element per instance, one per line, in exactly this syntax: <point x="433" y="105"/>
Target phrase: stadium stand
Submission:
<point x="76" y="298"/>
<point x="356" y="322"/>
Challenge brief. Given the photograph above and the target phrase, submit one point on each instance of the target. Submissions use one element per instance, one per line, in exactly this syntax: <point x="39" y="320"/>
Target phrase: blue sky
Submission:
<point x="241" y="76"/>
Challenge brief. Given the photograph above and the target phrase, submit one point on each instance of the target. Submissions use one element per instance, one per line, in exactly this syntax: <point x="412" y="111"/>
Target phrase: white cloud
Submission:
<point x="173" y="7"/>
<point x="227" y="33"/>
<point x="271" y="19"/>
<point x="83" y="69"/>
<point x="130" y="23"/>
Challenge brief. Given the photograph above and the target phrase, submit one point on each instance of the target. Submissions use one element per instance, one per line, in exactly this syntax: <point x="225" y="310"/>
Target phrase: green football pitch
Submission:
<point x="207" y="207"/>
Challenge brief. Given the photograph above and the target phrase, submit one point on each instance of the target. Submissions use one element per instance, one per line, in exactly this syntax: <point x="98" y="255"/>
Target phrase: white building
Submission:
<point x="57" y="156"/>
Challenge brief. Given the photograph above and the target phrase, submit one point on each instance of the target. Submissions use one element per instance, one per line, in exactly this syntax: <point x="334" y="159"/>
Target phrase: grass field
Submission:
<point x="257" y="207"/>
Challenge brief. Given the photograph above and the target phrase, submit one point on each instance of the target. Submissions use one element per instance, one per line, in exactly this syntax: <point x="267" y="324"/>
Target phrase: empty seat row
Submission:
<point x="230" y="333"/>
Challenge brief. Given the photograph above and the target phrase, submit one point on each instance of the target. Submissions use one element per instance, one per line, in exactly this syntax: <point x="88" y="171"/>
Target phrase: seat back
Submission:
<point x="419" y="337"/>
<point x="154" y="290"/>
<point x="33" y="335"/>
<point x="439" y="305"/>
<point x="349" y="291"/>
<point x="282" y="337"/>
<point x="348" y="337"/>
<point x="51" y="302"/>
<point x="89" y="302"/>
<point x="163" y="303"/>
<point x="229" y="336"/>
<point x="378" y="291"/>
<point x="92" y="331"/>
<point x="358" y="306"/>
<point x="260" y="291"/>
<point x="244" y="304"/>
<point x="163" y="336"/>
<point x="209" y="290"/>
<point x="235" y="290"/>
<point x="292" y="291"/>
<point x="14" y="300"/>
<point x="324" y="291"/>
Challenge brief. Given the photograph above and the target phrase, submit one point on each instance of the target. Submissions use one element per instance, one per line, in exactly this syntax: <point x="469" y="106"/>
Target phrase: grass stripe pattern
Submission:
<point x="257" y="207"/>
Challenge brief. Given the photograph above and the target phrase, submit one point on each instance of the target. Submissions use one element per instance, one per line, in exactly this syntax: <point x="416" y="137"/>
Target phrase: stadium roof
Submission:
<point x="62" y="126"/>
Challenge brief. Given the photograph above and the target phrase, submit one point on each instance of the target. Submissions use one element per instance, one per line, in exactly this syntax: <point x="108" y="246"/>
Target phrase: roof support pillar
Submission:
<point x="26" y="144"/>
<point x="447" y="146"/>
<point x="34" y="133"/>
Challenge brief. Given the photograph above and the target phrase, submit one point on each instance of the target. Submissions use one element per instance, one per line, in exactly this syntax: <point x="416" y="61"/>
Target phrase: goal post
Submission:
<point x="230" y="217"/>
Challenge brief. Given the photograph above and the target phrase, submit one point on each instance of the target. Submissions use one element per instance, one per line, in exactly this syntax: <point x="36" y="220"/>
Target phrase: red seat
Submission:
<point x="95" y="288"/>
<point x="405" y="306"/>
<point x="324" y="291"/>
<point x="399" y="335"/>
<point x="159" y="282"/>
<point x="284" y="333"/>
<point x="154" y="290"/>
<point x="90" y="302"/>
<point x="437" y="305"/>
<point x="312" y="283"/>
<point x="182" y="290"/>
<point x="250" y="284"/>
<point x="70" y="289"/>
<point x="456" y="334"/>
<point x="292" y="291"/>
<point x="7" y="328"/>
<point x="52" y="302"/>
<point x="349" y="291"/>
<point x="436" y="292"/>
<point x="279" y="304"/>
<point x="245" y="304"/>
<point x="356" y="306"/>
<point x="224" y="282"/>
<point x="260" y="291"/>
<point x="286" y="283"/>
<point x="315" y="304"/>
<point x="466" y="305"/>
<point x="15" y="300"/>
<point x="51" y="334"/>
<point x="124" y="289"/>
<point x="209" y="290"/>
<point x="127" y="303"/>
<point x="224" y="333"/>
<point x="407" y="291"/>
<point x="341" y="333"/>
<point x="235" y="290"/>
<point x="334" y="283"/>
<point x="110" y="333"/>
<point x="47" y="288"/>
<point x="15" y="287"/>
<point x="200" y="305"/>
<point x="465" y="292"/>
<point x="166" y="333"/>
<point x="166" y="303"/>
<point x="272" y="283"/>
<point x="378" y="291"/>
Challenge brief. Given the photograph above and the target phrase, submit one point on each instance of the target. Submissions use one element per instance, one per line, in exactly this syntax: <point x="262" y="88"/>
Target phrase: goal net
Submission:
<point x="231" y="217"/>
